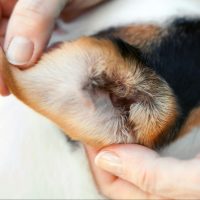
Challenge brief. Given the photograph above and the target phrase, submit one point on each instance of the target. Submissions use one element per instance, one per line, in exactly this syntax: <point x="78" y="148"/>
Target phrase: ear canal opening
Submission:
<point x="121" y="95"/>
<point x="122" y="102"/>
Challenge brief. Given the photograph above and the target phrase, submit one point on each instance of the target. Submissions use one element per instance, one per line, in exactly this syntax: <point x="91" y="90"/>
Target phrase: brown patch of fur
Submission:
<point x="192" y="121"/>
<point x="158" y="111"/>
<point x="166" y="131"/>
<point x="6" y="72"/>
<point x="139" y="35"/>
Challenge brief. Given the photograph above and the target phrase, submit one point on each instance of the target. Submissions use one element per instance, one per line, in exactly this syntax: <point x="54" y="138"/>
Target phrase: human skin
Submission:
<point x="26" y="26"/>
<point x="136" y="172"/>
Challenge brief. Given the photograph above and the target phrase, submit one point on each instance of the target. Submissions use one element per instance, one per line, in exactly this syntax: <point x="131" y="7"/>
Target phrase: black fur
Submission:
<point x="176" y="58"/>
<point x="127" y="51"/>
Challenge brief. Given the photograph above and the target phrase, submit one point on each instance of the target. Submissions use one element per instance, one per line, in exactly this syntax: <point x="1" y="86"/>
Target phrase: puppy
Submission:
<point x="131" y="84"/>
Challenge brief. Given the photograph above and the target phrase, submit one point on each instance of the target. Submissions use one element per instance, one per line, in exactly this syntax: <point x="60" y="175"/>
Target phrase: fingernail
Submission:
<point x="110" y="162"/>
<point x="19" y="51"/>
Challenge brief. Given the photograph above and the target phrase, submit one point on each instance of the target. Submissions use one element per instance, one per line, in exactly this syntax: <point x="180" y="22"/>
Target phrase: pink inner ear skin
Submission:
<point x="123" y="103"/>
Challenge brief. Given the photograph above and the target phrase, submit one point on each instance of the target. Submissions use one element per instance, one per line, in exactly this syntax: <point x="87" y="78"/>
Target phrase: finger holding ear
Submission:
<point x="29" y="29"/>
<point x="113" y="187"/>
<point x="141" y="172"/>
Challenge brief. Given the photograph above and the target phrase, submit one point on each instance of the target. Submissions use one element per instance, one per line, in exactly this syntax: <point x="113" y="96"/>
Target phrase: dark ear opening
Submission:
<point x="120" y="90"/>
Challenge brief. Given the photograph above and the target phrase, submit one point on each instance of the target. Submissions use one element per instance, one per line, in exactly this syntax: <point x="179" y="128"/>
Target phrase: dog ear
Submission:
<point x="10" y="75"/>
<point x="98" y="91"/>
<point x="6" y="71"/>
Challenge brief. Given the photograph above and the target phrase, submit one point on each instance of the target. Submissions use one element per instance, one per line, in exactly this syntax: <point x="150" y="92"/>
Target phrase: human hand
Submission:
<point x="136" y="172"/>
<point x="26" y="26"/>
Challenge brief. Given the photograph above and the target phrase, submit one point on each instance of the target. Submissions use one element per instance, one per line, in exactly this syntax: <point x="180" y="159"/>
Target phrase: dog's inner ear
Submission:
<point x="121" y="94"/>
<point x="119" y="81"/>
<point x="122" y="102"/>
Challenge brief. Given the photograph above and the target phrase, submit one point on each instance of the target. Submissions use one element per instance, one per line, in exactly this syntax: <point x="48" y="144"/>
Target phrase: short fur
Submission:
<point x="109" y="91"/>
<point x="36" y="160"/>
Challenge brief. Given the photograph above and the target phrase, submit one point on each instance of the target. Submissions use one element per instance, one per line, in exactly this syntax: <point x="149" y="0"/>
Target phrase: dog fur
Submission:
<point x="97" y="60"/>
<point x="125" y="94"/>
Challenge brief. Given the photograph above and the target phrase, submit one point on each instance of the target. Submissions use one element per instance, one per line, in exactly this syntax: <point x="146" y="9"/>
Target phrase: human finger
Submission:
<point x="29" y="29"/>
<point x="112" y="186"/>
<point x="145" y="169"/>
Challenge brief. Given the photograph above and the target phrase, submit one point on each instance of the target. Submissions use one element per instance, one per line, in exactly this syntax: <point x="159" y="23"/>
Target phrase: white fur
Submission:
<point x="35" y="159"/>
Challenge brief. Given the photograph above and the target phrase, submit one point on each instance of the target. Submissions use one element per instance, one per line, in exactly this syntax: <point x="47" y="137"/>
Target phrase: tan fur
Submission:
<point x="192" y="121"/>
<point x="140" y="35"/>
<point x="72" y="84"/>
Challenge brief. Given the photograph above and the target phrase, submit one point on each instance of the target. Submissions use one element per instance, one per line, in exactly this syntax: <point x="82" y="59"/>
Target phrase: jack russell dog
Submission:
<point x="131" y="83"/>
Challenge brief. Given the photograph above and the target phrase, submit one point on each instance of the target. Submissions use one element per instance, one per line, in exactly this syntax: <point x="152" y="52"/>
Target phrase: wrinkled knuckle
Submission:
<point x="30" y="14"/>
<point x="39" y="8"/>
<point x="30" y="19"/>
<point x="33" y="12"/>
<point x="147" y="180"/>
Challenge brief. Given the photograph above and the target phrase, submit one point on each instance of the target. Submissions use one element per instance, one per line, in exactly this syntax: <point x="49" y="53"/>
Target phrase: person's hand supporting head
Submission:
<point x="136" y="172"/>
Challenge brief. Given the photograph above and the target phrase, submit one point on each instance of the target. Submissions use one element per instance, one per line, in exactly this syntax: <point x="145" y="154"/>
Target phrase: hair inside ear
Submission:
<point x="120" y="94"/>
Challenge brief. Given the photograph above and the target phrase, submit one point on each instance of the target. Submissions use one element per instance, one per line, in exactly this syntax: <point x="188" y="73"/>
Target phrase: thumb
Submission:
<point x="29" y="29"/>
<point x="144" y="168"/>
<point x="132" y="163"/>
